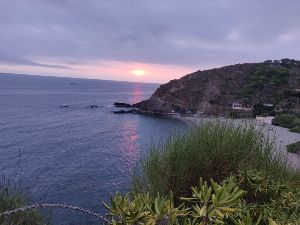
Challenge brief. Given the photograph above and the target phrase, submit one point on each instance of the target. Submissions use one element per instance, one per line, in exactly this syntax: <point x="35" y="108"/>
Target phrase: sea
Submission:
<point x="60" y="139"/>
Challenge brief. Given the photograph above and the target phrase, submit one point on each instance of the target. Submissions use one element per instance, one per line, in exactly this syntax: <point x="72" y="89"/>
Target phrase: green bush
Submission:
<point x="213" y="203"/>
<point x="297" y="122"/>
<point x="284" y="120"/>
<point x="213" y="150"/>
<point x="268" y="197"/>
<point x="14" y="196"/>
<point x="288" y="121"/>
<point x="223" y="151"/>
<point x="295" y="129"/>
<point x="207" y="204"/>
<point x="293" y="148"/>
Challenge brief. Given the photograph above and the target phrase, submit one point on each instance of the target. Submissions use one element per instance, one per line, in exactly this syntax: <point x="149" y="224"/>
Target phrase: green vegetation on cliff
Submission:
<point x="266" y="76"/>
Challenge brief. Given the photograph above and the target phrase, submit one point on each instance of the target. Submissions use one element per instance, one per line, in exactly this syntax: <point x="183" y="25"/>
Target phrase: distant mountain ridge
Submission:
<point x="212" y="92"/>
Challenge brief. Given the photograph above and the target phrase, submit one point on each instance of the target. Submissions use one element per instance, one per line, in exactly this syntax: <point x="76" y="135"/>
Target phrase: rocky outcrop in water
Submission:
<point x="122" y="105"/>
<point x="133" y="111"/>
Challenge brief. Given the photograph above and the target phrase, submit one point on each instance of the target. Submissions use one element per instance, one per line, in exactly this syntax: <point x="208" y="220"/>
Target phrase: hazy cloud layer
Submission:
<point x="193" y="33"/>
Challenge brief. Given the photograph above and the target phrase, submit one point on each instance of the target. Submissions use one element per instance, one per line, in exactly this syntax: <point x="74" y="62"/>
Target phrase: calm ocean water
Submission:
<point x="75" y="155"/>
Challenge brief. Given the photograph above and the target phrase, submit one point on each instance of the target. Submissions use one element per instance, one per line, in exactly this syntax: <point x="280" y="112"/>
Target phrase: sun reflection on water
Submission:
<point x="136" y="94"/>
<point x="129" y="148"/>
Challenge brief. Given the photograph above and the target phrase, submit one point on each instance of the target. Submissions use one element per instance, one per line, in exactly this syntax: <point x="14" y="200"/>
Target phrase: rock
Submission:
<point x="64" y="106"/>
<point x="133" y="111"/>
<point x="122" y="105"/>
<point x="94" y="106"/>
<point x="158" y="105"/>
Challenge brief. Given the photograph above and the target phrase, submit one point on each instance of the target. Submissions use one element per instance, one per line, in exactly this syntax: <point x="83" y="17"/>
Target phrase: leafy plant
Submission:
<point x="214" y="203"/>
<point x="208" y="205"/>
<point x="267" y="196"/>
<point x="142" y="209"/>
<point x="245" y="220"/>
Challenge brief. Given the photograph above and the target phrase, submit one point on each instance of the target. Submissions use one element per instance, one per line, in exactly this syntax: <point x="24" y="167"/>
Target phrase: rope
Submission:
<point x="61" y="206"/>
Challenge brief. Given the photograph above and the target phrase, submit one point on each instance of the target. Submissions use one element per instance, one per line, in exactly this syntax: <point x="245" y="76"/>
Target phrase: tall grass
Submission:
<point x="215" y="150"/>
<point x="14" y="195"/>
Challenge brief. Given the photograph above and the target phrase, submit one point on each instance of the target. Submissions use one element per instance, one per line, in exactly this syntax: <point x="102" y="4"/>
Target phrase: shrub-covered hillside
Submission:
<point x="213" y="91"/>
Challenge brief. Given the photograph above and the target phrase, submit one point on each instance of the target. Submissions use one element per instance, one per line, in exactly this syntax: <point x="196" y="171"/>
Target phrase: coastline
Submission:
<point x="282" y="136"/>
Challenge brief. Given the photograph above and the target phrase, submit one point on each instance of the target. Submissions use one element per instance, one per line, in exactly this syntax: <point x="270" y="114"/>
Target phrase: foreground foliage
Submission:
<point x="14" y="196"/>
<point x="212" y="204"/>
<point x="227" y="153"/>
<point x="214" y="150"/>
<point x="243" y="181"/>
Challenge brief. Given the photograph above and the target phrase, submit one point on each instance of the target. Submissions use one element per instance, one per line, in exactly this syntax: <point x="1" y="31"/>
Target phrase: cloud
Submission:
<point x="5" y="59"/>
<point x="171" y="32"/>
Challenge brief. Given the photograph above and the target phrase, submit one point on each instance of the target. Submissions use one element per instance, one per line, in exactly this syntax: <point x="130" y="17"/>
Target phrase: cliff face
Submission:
<point x="212" y="92"/>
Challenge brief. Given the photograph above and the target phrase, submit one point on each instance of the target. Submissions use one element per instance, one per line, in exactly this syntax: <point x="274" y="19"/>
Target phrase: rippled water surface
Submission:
<point x="75" y="154"/>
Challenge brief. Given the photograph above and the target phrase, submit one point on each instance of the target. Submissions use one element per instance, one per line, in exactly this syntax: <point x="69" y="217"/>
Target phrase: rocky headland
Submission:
<point x="273" y="83"/>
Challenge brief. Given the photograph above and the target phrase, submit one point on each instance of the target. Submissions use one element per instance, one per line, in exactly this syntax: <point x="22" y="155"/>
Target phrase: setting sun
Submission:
<point x="138" y="72"/>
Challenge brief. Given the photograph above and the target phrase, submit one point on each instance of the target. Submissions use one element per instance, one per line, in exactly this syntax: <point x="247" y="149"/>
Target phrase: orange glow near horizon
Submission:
<point x="138" y="72"/>
<point x="107" y="70"/>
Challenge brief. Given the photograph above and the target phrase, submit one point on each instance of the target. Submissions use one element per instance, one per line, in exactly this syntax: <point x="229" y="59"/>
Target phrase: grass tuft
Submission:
<point x="13" y="195"/>
<point x="214" y="150"/>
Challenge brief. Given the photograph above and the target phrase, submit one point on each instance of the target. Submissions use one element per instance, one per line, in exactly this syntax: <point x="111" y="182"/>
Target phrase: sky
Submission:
<point x="143" y="40"/>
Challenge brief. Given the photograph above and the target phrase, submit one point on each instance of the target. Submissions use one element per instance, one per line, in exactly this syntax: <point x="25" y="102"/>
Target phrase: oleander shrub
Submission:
<point x="211" y="203"/>
<point x="207" y="204"/>
<point x="270" y="197"/>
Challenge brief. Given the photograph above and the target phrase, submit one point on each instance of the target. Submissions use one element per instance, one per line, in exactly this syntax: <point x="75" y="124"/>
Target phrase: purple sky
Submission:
<point x="107" y="39"/>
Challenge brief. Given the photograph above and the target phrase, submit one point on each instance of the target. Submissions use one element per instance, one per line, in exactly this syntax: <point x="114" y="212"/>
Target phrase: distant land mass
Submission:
<point x="274" y="83"/>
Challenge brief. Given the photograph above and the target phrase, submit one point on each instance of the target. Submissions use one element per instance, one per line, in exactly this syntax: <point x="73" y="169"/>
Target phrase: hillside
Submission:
<point x="212" y="92"/>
